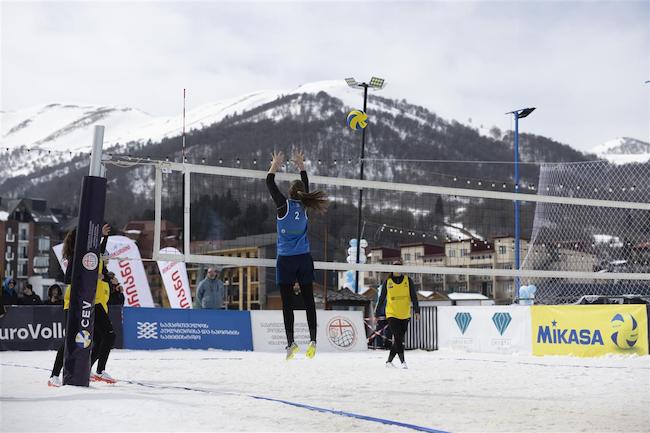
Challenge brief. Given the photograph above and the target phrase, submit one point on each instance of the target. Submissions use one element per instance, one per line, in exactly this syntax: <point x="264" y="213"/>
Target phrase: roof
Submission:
<point x="36" y="208"/>
<point x="466" y="296"/>
<point x="344" y="295"/>
<point x="429" y="249"/>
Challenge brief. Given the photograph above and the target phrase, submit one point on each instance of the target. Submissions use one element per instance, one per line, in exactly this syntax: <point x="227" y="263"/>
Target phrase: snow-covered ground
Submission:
<point x="178" y="390"/>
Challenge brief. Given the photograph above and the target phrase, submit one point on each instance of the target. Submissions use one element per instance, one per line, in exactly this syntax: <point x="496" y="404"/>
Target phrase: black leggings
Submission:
<point x="307" y="291"/>
<point x="103" y="340"/>
<point x="398" y="327"/>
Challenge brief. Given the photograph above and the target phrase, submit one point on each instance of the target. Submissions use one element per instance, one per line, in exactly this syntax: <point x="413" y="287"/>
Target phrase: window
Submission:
<point x="23" y="232"/>
<point x="10" y="235"/>
<point x="41" y="261"/>
<point x="452" y="253"/>
<point x="22" y="252"/>
<point x="22" y="269"/>
<point x="407" y="257"/>
<point x="43" y="244"/>
<point x="502" y="249"/>
<point x="464" y="252"/>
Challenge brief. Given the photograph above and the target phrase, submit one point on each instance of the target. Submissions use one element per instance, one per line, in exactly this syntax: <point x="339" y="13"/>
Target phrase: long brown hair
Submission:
<point x="68" y="244"/>
<point x="315" y="200"/>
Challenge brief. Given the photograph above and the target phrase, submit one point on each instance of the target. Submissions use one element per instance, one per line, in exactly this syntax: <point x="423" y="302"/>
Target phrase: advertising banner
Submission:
<point x="485" y="329"/>
<point x="85" y="272"/>
<point x="130" y="273"/>
<point x="41" y="327"/>
<point x="174" y="276"/>
<point x="589" y="330"/>
<point x="338" y="331"/>
<point x="163" y="328"/>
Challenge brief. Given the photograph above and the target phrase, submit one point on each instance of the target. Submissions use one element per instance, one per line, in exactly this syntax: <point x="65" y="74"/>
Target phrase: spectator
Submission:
<point x="117" y="292"/>
<point x="9" y="294"/>
<point x="211" y="292"/>
<point x="29" y="297"/>
<point x="54" y="295"/>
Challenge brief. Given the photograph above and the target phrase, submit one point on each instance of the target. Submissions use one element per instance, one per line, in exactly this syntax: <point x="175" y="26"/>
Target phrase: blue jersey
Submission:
<point x="292" y="230"/>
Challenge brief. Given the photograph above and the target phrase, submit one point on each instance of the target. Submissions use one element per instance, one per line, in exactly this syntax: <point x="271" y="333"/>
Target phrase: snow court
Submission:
<point x="181" y="390"/>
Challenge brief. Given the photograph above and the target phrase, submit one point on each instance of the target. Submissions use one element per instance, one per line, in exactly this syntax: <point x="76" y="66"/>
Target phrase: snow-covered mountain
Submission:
<point x="624" y="150"/>
<point x="54" y="133"/>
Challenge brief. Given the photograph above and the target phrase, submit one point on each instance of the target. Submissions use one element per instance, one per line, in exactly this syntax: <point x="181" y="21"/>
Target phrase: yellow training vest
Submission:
<point x="398" y="299"/>
<point x="102" y="292"/>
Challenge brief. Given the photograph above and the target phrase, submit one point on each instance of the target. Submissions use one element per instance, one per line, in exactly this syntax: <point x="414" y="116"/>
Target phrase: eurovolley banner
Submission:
<point x="485" y="329"/>
<point x="589" y="330"/>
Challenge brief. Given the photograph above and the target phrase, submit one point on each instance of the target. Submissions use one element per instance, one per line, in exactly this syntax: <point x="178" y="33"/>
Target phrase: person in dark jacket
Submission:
<point x="54" y="295"/>
<point x="9" y="294"/>
<point x="117" y="292"/>
<point x="29" y="297"/>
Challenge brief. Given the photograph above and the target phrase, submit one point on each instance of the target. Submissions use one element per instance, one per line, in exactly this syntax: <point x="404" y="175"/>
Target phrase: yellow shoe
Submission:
<point x="311" y="349"/>
<point x="292" y="350"/>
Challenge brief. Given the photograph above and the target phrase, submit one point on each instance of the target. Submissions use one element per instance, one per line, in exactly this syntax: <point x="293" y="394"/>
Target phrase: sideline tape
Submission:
<point x="257" y="397"/>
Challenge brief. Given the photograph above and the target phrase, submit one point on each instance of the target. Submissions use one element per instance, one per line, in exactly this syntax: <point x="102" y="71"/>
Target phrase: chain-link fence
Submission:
<point x="588" y="238"/>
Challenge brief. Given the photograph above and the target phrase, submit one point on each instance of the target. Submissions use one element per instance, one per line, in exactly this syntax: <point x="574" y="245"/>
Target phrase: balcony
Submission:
<point x="10" y="237"/>
<point x="9" y="257"/>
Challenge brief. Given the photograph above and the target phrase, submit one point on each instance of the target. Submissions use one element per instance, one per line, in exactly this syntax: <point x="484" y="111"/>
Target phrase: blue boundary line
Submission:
<point x="275" y="400"/>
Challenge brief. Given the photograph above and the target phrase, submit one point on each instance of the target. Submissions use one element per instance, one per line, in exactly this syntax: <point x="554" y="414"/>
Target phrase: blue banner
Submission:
<point x="158" y="328"/>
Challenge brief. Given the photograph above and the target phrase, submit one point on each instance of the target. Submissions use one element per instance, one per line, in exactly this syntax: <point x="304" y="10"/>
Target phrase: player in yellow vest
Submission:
<point x="103" y="333"/>
<point x="398" y="292"/>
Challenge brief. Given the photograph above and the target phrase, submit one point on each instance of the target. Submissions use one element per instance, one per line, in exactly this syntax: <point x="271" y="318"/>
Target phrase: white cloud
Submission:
<point x="581" y="63"/>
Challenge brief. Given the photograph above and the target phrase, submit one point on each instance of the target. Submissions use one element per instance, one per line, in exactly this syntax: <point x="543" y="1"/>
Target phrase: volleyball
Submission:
<point x="357" y="119"/>
<point x="625" y="330"/>
<point x="82" y="339"/>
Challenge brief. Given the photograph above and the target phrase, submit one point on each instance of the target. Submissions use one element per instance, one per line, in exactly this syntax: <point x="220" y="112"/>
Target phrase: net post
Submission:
<point x="157" y="212"/>
<point x="186" y="213"/>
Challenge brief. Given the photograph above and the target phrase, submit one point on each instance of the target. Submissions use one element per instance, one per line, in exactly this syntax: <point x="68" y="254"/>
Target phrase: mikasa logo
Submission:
<point x="33" y="331"/>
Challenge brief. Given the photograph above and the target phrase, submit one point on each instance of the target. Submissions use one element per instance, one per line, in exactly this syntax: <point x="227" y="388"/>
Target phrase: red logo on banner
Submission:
<point x="90" y="261"/>
<point x="341" y="333"/>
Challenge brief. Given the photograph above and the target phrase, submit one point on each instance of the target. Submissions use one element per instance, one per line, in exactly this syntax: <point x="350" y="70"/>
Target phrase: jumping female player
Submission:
<point x="398" y="291"/>
<point x="294" y="261"/>
<point x="103" y="333"/>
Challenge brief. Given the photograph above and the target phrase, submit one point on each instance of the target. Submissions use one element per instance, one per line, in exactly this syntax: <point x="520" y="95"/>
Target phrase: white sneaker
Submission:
<point x="93" y="377"/>
<point x="54" y="382"/>
<point x="404" y="366"/>
<point x="389" y="364"/>
<point x="105" y="377"/>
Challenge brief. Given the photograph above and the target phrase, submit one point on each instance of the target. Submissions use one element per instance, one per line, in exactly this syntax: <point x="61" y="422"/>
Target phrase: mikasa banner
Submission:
<point x="174" y="276"/>
<point x="130" y="273"/>
<point x="589" y="330"/>
<point x="485" y="329"/>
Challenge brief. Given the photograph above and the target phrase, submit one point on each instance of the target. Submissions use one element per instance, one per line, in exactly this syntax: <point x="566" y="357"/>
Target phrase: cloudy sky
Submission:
<point x="583" y="64"/>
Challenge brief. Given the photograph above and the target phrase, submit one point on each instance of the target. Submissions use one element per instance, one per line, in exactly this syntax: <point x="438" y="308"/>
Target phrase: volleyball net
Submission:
<point x="582" y="234"/>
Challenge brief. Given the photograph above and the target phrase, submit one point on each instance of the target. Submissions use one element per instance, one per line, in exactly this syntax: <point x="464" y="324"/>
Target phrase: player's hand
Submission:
<point x="417" y="316"/>
<point x="106" y="229"/>
<point x="276" y="161"/>
<point x="298" y="158"/>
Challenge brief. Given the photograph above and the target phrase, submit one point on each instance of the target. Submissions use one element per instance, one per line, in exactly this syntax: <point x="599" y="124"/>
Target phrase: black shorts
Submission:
<point x="289" y="269"/>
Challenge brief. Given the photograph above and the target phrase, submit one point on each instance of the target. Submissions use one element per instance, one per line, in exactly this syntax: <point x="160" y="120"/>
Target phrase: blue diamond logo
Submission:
<point x="501" y="321"/>
<point x="462" y="320"/>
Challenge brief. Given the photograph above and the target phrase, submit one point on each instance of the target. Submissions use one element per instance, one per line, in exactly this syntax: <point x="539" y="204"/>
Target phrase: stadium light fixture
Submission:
<point x="518" y="114"/>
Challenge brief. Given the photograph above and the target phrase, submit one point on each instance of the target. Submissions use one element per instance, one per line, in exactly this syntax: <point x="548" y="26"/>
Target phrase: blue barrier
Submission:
<point x="162" y="328"/>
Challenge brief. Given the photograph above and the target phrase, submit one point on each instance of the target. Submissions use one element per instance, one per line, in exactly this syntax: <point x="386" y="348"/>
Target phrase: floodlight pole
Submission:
<point x="517" y="222"/>
<point x="518" y="114"/>
<point x="363" y="151"/>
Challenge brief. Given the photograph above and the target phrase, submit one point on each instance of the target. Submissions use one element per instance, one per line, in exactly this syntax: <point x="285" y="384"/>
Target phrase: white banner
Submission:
<point x="338" y="331"/>
<point x="174" y="276"/>
<point x="485" y="329"/>
<point x="130" y="273"/>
